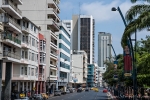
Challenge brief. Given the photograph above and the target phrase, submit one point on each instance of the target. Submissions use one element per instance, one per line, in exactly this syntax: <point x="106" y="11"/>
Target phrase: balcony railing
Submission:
<point x="8" y="2"/>
<point x="12" y="21"/>
<point x="6" y="35"/>
<point x="11" y="55"/>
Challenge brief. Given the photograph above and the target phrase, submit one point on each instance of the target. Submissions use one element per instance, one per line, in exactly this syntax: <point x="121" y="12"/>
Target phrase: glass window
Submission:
<point x="22" y="53"/>
<point x="33" y="42"/>
<point x="25" y="70"/>
<point x="32" y="71"/>
<point x="32" y="56"/>
<point x="21" y="70"/>
<point x="28" y="70"/>
<point x="31" y="26"/>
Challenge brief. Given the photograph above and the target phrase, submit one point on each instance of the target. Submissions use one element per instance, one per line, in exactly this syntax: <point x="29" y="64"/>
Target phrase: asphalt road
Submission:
<point x="91" y="95"/>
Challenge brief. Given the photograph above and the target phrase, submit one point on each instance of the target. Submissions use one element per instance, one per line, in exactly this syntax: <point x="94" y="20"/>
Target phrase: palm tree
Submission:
<point x="134" y="1"/>
<point x="138" y="18"/>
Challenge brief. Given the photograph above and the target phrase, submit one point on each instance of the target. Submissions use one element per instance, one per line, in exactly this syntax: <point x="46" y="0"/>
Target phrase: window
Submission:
<point x="33" y="42"/>
<point x="32" y="71"/>
<point x="23" y="23"/>
<point x="21" y="70"/>
<point x="23" y="38"/>
<point x="28" y="70"/>
<point x="31" y="26"/>
<point x="34" y="29"/>
<point x="32" y="56"/>
<point x="26" y="54"/>
<point x="25" y="70"/>
<point x="22" y="54"/>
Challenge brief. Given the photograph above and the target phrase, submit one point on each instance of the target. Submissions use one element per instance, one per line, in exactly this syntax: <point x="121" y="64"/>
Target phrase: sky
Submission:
<point x="105" y="20"/>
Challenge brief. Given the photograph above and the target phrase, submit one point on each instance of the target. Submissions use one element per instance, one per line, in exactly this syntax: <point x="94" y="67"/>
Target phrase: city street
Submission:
<point x="91" y="95"/>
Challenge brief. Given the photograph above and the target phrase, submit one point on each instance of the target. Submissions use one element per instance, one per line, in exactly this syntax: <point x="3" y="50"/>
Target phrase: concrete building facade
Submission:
<point x="64" y="45"/>
<point x="104" y="50"/>
<point x="79" y="68"/>
<point x="44" y="13"/>
<point x="83" y="35"/>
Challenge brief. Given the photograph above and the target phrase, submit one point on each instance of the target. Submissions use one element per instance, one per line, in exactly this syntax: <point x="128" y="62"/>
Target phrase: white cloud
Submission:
<point x="102" y="12"/>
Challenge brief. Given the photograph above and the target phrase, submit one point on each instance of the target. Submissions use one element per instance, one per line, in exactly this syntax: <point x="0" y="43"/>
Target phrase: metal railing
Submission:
<point x="11" y="54"/>
<point x="13" y="22"/>
<point x="8" y="2"/>
<point x="6" y="35"/>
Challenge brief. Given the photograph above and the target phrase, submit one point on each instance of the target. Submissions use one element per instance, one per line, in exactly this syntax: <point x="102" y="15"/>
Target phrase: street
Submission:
<point x="91" y="95"/>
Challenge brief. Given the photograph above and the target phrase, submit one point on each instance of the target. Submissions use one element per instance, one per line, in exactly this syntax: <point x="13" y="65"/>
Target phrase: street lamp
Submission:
<point x="132" y="52"/>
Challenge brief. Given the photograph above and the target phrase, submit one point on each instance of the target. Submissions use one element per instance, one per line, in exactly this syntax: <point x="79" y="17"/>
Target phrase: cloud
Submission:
<point x="102" y="11"/>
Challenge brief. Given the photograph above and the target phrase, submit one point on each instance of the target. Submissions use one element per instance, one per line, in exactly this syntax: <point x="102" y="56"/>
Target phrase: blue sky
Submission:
<point x="105" y="19"/>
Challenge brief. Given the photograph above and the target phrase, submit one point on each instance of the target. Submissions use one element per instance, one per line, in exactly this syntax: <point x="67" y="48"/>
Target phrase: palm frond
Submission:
<point x="136" y="10"/>
<point x="134" y="1"/>
<point x="142" y="22"/>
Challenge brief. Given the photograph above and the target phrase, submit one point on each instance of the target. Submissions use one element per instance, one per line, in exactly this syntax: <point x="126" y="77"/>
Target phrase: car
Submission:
<point x="105" y="90"/>
<point x="67" y="91"/>
<point x="79" y="90"/>
<point x="44" y="95"/>
<point x="57" y="93"/>
<point x="86" y="89"/>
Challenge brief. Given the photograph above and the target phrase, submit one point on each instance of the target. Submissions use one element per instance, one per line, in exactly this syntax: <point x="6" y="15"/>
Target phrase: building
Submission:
<point x="10" y="44"/>
<point x="79" y="68"/>
<point x="40" y="84"/>
<point x="44" y="13"/>
<point x="64" y="46"/>
<point x="90" y="75"/>
<point x="104" y="50"/>
<point x="101" y="70"/>
<point x="95" y="74"/>
<point x="83" y="35"/>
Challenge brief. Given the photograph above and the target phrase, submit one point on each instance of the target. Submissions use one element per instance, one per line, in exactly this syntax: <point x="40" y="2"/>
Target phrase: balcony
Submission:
<point x="24" y="61"/>
<point x="11" y="56"/>
<point x="25" y="30"/>
<point x="53" y="45"/>
<point x="53" y="77"/>
<point x="10" y="40"/>
<point x="53" y="55"/>
<point x="41" y="77"/>
<point x="53" y="4"/>
<point x="25" y="45"/>
<point x="42" y="63"/>
<point x="52" y="25"/>
<point x="23" y="77"/>
<point x="53" y="35"/>
<point x="53" y="14"/>
<point x="11" y="9"/>
<point x="11" y="24"/>
<point x="19" y="2"/>
<point x="1" y="27"/>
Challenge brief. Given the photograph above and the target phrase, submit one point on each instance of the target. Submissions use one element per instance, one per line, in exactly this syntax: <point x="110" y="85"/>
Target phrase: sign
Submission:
<point x="127" y="61"/>
<point x="75" y="80"/>
<point x="115" y="77"/>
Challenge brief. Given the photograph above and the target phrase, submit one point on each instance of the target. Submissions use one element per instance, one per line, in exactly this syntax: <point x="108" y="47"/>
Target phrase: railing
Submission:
<point x="6" y="35"/>
<point x="8" y="2"/>
<point x="11" y="54"/>
<point x="25" y="28"/>
<point x="13" y="22"/>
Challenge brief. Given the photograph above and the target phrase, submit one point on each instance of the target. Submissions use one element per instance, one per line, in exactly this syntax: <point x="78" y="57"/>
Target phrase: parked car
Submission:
<point x="57" y="93"/>
<point x="67" y="91"/>
<point x="86" y="89"/>
<point x="44" y="95"/>
<point x="79" y="90"/>
<point x="105" y="90"/>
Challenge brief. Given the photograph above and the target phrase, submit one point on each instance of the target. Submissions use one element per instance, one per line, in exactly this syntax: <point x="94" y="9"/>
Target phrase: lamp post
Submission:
<point x="132" y="53"/>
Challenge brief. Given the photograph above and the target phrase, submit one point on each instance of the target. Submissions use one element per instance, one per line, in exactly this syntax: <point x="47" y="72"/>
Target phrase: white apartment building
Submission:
<point x="64" y="56"/>
<point x="44" y="13"/>
<point x="83" y="28"/>
<point x="101" y="70"/>
<point x="96" y="74"/>
<point x="79" y="68"/>
<point x="10" y="46"/>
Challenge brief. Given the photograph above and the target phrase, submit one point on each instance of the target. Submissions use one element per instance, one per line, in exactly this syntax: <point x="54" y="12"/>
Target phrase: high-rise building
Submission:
<point x="83" y="35"/>
<point x="64" y="46"/>
<point x="44" y="13"/>
<point x="104" y="50"/>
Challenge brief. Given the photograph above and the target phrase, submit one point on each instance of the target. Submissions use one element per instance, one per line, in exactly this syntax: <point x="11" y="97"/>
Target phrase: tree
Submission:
<point x="137" y="17"/>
